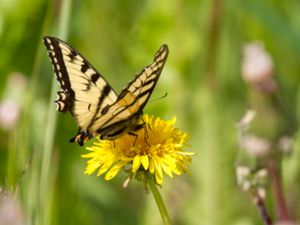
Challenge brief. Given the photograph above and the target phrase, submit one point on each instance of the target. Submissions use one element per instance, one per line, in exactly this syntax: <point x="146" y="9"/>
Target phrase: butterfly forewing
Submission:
<point x="83" y="90"/>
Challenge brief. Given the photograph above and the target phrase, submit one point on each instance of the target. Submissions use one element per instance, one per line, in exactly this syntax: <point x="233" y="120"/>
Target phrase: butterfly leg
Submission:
<point x="140" y="126"/>
<point x="135" y="135"/>
<point x="134" y="129"/>
<point x="146" y="134"/>
<point x="144" y="124"/>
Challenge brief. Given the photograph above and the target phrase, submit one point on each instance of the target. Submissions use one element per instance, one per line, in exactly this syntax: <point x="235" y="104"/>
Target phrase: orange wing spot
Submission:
<point x="127" y="100"/>
<point x="135" y="107"/>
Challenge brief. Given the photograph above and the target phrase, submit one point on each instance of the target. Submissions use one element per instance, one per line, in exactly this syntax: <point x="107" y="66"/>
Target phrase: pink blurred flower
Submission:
<point x="254" y="145"/>
<point x="10" y="211"/>
<point x="257" y="67"/>
<point x="286" y="223"/>
<point x="12" y="99"/>
<point x="17" y="81"/>
<point x="9" y="114"/>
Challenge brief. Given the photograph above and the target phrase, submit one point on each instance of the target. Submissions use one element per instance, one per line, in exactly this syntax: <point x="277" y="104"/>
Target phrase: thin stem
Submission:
<point x="260" y="203"/>
<point x="159" y="201"/>
<point x="282" y="210"/>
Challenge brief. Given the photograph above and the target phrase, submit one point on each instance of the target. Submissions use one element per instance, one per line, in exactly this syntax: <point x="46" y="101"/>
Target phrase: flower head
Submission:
<point x="257" y="67"/>
<point x="157" y="149"/>
<point x="257" y="64"/>
<point x="11" y="211"/>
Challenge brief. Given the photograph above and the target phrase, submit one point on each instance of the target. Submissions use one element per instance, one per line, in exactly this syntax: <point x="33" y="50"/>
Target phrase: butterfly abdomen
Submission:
<point x="120" y="128"/>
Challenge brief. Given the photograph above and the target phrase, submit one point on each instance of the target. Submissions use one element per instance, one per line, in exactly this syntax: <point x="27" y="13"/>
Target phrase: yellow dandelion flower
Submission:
<point x="157" y="149"/>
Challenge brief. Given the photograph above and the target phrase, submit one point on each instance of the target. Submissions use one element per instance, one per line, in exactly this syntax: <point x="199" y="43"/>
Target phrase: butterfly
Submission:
<point x="95" y="106"/>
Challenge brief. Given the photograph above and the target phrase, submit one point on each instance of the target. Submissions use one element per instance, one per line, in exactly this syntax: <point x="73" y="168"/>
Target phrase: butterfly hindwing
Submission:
<point x="95" y="106"/>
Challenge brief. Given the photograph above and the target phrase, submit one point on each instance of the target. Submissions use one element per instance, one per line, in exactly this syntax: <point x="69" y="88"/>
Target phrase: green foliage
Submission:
<point x="119" y="38"/>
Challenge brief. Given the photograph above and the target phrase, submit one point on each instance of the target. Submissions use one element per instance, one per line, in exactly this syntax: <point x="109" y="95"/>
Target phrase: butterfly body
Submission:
<point x="95" y="106"/>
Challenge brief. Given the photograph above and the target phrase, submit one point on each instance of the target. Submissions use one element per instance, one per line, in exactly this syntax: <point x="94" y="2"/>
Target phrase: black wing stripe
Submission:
<point x="84" y="67"/>
<point x="63" y="102"/>
<point x="105" y="93"/>
<point x="59" y="66"/>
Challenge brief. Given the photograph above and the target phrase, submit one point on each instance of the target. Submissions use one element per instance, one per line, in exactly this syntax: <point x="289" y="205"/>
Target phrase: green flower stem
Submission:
<point x="159" y="201"/>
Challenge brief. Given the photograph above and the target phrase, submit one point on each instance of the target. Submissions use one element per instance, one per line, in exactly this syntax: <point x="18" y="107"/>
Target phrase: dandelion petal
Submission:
<point x="136" y="163"/>
<point x="145" y="161"/>
<point x="167" y="170"/>
<point x="113" y="171"/>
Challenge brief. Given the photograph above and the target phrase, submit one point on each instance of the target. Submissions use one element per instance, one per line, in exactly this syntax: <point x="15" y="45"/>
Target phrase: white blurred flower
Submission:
<point x="261" y="174"/>
<point x="252" y="180"/>
<point x="10" y="211"/>
<point x="257" y="67"/>
<point x="9" y="114"/>
<point x="246" y="119"/>
<point x="285" y="144"/>
<point x="261" y="192"/>
<point x="242" y="176"/>
<point x="254" y="145"/>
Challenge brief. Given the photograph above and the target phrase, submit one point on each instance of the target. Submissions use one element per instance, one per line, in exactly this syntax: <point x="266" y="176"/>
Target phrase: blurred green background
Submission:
<point x="206" y="92"/>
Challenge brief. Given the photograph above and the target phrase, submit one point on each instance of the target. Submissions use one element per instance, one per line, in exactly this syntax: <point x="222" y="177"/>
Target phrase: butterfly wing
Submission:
<point x="123" y="114"/>
<point x="84" y="92"/>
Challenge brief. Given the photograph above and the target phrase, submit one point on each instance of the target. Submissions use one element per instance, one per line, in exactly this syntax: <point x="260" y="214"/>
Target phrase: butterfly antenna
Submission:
<point x="156" y="99"/>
